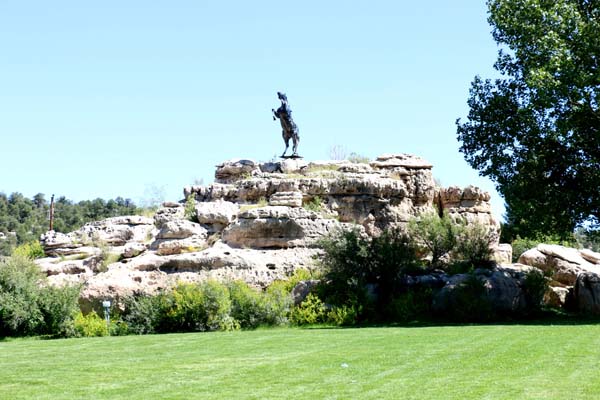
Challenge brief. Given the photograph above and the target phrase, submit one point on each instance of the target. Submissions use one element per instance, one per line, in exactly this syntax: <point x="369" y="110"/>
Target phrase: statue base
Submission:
<point x="293" y="157"/>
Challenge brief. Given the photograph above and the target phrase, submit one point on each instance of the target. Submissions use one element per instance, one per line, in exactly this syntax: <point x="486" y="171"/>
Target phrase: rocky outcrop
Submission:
<point x="470" y="204"/>
<point x="258" y="222"/>
<point x="563" y="264"/>
<point x="503" y="290"/>
<point x="573" y="271"/>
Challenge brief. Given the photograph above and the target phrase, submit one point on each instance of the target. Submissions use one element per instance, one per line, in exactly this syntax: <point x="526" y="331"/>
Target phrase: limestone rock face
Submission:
<point x="469" y="204"/>
<point x="217" y="212"/>
<point x="278" y="227"/>
<point x="168" y="212"/>
<point x="238" y="236"/>
<point x="290" y="199"/>
<point x="181" y="229"/>
<point x="115" y="231"/>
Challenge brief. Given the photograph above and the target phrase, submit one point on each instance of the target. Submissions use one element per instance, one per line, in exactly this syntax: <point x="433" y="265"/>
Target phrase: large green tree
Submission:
<point x="535" y="131"/>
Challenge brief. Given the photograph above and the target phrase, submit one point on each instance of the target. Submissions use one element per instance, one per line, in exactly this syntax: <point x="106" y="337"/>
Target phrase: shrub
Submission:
<point x="436" y="235"/>
<point x="144" y="313"/>
<point x="28" y="306"/>
<point x="409" y="305"/>
<point x="278" y="302"/>
<point x="20" y="280"/>
<point x="588" y="238"/>
<point x="58" y="305"/>
<point x="199" y="307"/>
<point x="469" y="302"/>
<point x="311" y="311"/>
<point x="315" y="204"/>
<point x="252" y="308"/>
<point x="358" y="159"/>
<point x="474" y="244"/>
<point x="352" y="262"/>
<point x="90" y="325"/>
<point x="30" y="250"/>
<point x="190" y="209"/>
<point x="535" y="286"/>
<point x="343" y="315"/>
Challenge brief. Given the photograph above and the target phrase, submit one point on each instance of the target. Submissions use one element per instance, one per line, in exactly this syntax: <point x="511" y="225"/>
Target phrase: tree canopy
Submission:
<point x="535" y="130"/>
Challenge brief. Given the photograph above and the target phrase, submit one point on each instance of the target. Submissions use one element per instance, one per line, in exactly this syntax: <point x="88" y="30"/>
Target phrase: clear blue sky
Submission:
<point x="115" y="98"/>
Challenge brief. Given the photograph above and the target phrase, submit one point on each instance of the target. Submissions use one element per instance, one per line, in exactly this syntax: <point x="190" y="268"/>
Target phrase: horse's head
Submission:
<point x="282" y="97"/>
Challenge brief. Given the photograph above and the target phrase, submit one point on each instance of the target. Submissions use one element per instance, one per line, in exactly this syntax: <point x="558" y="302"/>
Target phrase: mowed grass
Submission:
<point x="448" y="362"/>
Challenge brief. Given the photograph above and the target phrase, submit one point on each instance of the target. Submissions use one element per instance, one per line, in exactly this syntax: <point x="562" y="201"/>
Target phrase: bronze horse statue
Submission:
<point x="289" y="128"/>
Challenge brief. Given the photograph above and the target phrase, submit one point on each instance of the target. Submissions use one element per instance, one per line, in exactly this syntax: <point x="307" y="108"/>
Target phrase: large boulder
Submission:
<point x="587" y="293"/>
<point x="220" y="213"/>
<point x="503" y="290"/>
<point x="181" y="229"/>
<point x="234" y="170"/>
<point x="564" y="264"/>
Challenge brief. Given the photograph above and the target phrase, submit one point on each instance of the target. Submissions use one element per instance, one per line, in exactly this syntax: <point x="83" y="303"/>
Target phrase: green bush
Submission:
<point x="190" y="209"/>
<point x="199" y="307"/>
<point x="90" y="325"/>
<point x="410" y="305"/>
<point x="469" y="303"/>
<point x="144" y="313"/>
<point x="351" y="262"/>
<point x="311" y="311"/>
<point x="474" y="243"/>
<point x="28" y="306"/>
<point x="343" y="315"/>
<point x="535" y="286"/>
<point x="58" y="305"/>
<point x="588" y="238"/>
<point x="434" y="234"/>
<point x="30" y="250"/>
<point x="316" y="204"/>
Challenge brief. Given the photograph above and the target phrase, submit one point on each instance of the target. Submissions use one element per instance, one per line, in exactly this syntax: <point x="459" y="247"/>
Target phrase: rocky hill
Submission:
<point x="258" y="222"/>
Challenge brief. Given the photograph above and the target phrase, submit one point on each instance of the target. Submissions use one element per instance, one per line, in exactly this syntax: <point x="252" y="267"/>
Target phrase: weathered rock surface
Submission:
<point x="278" y="227"/>
<point x="302" y="290"/>
<point x="233" y="170"/>
<point x="502" y="253"/>
<point x="289" y="199"/>
<point x="503" y="289"/>
<point x="564" y="264"/>
<point x="556" y="296"/>
<point x="168" y="212"/>
<point x="219" y="212"/>
<point x="587" y="293"/>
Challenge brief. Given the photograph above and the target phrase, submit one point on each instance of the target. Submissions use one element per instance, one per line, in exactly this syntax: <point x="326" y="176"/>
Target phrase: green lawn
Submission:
<point x="454" y="362"/>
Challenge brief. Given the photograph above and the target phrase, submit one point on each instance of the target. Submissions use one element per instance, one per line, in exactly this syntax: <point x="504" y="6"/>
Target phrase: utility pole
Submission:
<point x="52" y="213"/>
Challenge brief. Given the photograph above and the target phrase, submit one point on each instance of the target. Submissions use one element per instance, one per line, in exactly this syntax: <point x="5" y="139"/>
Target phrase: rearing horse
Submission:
<point x="289" y="128"/>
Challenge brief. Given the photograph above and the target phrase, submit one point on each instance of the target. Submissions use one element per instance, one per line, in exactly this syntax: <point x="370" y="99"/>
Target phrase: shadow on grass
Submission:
<point x="544" y="318"/>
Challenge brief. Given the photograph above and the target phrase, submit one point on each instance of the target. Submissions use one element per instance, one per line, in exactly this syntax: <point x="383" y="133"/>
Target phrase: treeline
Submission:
<point x="23" y="220"/>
